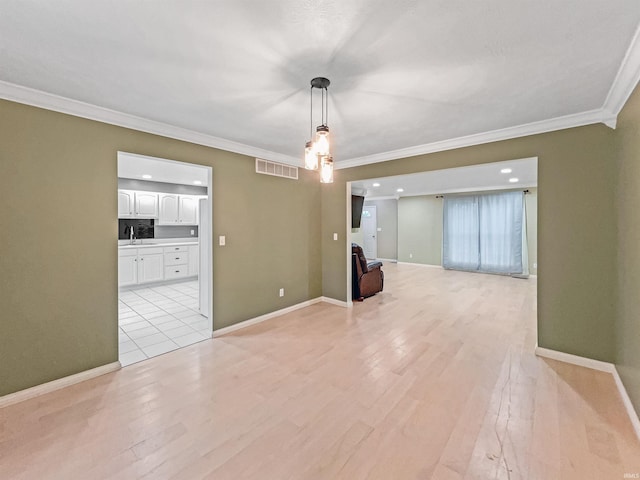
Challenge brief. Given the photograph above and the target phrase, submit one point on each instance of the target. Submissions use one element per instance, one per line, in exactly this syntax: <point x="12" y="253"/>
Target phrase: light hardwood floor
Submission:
<point x="434" y="378"/>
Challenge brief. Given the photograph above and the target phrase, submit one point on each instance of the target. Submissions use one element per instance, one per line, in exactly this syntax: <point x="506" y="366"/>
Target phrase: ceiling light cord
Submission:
<point x="311" y="119"/>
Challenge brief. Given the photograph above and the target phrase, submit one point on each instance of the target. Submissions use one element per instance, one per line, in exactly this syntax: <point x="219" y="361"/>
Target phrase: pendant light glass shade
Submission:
<point x="322" y="141"/>
<point x="326" y="169"/>
<point x="310" y="157"/>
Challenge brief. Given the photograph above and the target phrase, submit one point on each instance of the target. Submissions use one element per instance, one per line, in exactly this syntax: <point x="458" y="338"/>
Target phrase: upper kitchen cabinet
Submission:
<point x="126" y="203"/>
<point x="133" y="204"/>
<point x="169" y="206"/>
<point x="146" y="204"/>
<point x="178" y="209"/>
<point x="188" y="214"/>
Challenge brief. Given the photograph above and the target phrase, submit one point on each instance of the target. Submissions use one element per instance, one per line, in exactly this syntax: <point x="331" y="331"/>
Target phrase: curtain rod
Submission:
<point x="526" y="192"/>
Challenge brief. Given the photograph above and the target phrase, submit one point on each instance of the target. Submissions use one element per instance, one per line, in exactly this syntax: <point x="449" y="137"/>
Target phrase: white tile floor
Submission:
<point x="156" y="320"/>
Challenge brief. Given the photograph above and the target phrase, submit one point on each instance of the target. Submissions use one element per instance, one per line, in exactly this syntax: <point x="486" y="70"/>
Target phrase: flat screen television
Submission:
<point x="357" y="202"/>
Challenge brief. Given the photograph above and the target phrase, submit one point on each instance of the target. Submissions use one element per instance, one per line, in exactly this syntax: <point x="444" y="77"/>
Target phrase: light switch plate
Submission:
<point x="335" y="236"/>
<point x="223" y="240"/>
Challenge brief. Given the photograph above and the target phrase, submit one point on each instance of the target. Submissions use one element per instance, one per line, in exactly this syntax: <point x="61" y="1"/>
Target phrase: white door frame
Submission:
<point x="209" y="273"/>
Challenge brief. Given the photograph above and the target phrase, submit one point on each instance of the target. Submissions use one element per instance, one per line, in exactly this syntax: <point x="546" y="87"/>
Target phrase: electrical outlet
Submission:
<point x="535" y="265"/>
<point x="193" y="232"/>
<point x="223" y="240"/>
<point x="282" y="292"/>
<point x="411" y="255"/>
<point x="335" y="236"/>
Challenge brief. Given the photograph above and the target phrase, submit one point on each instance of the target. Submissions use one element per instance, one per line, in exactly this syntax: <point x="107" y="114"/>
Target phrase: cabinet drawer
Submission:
<point x="150" y="251"/>
<point x="127" y="252"/>
<point x="178" y="258"/>
<point x="179" y="248"/>
<point x="175" y="271"/>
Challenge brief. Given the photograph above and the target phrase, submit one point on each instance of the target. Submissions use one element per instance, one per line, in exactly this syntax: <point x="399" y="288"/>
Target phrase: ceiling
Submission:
<point x="475" y="178"/>
<point x="404" y="73"/>
<point x="138" y="167"/>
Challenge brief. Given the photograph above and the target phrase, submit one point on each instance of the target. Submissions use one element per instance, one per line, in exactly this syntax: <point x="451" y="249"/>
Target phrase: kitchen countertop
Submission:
<point x="159" y="244"/>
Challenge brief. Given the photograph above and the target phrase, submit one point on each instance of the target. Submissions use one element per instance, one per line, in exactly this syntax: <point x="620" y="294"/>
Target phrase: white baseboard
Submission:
<point x="54" y="385"/>
<point x="390" y="260"/>
<point x="633" y="415"/>
<point x="339" y="303"/>
<point x="253" y="321"/>
<point x="420" y="264"/>
<point x="603" y="367"/>
<point x="575" y="360"/>
<point x="267" y="316"/>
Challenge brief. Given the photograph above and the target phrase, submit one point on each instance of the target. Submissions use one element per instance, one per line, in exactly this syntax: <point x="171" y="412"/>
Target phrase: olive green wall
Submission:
<point x="58" y="290"/>
<point x="628" y="321"/>
<point x="420" y="230"/>
<point x="576" y="229"/>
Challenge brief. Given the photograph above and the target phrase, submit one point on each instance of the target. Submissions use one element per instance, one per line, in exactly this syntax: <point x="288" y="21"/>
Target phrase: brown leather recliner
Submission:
<point x="368" y="277"/>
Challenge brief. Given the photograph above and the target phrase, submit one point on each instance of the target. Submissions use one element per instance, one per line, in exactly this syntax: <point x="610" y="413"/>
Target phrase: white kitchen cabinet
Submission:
<point x="126" y="203"/>
<point x="146" y="205"/>
<point x="169" y="205"/>
<point x="177" y="209"/>
<point x="188" y="211"/>
<point x="194" y="260"/>
<point x="133" y="204"/>
<point x="127" y="267"/>
<point x="150" y="266"/>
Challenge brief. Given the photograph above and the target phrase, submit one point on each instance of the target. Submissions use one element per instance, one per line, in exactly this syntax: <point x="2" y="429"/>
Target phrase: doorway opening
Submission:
<point x="402" y="217"/>
<point x="164" y="256"/>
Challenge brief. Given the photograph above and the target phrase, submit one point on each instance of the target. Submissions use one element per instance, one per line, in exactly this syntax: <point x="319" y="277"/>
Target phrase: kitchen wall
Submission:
<point x="175" y="231"/>
<point x="577" y="238"/>
<point x="58" y="288"/>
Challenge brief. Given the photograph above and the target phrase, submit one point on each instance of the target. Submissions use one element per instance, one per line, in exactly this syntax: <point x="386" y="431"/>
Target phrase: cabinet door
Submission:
<point x="126" y="202"/>
<point x="127" y="270"/>
<point x="147" y="204"/>
<point x="150" y="268"/>
<point x="188" y="210"/>
<point x="168" y="209"/>
<point x="194" y="260"/>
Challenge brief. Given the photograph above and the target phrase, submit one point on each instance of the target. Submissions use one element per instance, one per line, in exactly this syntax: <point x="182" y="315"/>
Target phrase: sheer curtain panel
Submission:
<point x="484" y="233"/>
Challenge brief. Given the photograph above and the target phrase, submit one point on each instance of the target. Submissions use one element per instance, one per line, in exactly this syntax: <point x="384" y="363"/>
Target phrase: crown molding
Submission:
<point x="49" y="101"/>
<point x="626" y="79"/>
<point x="559" y="123"/>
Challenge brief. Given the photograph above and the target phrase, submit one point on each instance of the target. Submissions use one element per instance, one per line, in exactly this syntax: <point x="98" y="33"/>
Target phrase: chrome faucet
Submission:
<point x="132" y="237"/>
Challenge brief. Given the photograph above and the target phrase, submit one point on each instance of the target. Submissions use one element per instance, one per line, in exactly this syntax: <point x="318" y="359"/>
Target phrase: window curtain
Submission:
<point x="485" y="233"/>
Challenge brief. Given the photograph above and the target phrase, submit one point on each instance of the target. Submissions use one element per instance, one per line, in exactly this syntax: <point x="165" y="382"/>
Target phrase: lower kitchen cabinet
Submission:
<point x="150" y="266"/>
<point x="127" y="268"/>
<point x="155" y="264"/>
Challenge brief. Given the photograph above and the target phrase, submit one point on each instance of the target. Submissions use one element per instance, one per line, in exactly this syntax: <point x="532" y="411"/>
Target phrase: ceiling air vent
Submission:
<point x="276" y="169"/>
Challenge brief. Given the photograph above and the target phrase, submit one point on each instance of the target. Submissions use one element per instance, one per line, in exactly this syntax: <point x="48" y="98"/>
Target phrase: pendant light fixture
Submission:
<point x="317" y="151"/>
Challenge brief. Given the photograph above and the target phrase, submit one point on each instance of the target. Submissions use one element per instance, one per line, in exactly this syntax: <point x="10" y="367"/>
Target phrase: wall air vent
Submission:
<point x="267" y="167"/>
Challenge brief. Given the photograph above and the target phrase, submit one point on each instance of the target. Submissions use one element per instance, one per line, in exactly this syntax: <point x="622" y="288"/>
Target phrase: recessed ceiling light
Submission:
<point x="197" y="182"/>
<point x="506" y="170"/>
<point x="400" y="190"/>
<point x="147" y="176"/>
<point x="513" y="180"/>
<point x="376" y="184"/>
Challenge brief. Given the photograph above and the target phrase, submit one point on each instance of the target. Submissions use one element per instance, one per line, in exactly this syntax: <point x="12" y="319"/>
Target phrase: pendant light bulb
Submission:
<point x="310" y="157"/>
<point x="322" y="141"/>
<point x="326" y="170"/>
